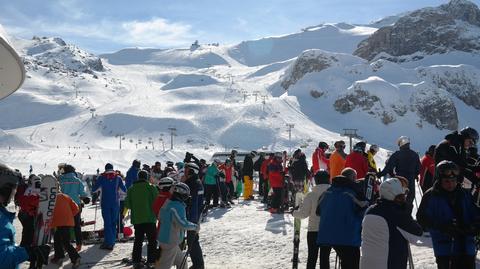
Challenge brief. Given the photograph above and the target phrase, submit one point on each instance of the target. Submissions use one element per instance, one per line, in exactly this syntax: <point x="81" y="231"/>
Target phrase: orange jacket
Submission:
<point x="64" y="211"/>
<point x="337" y="163"/>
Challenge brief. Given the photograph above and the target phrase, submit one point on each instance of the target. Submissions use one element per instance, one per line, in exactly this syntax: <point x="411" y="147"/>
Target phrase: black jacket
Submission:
<point x="299" y="168"/>
<point x="248" y="166"/>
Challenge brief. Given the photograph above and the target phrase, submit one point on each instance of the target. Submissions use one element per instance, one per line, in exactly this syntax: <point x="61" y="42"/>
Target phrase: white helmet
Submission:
<point x="391" y="188"/>
<point x="402" y="140"/>
<point x="165" y="182"/>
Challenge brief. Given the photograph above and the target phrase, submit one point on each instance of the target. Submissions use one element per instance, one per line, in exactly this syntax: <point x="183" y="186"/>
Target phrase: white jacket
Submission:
<point x="309" y="206"/>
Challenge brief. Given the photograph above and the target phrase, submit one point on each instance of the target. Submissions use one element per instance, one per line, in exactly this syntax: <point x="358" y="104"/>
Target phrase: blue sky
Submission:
<point x="109" y="25"/>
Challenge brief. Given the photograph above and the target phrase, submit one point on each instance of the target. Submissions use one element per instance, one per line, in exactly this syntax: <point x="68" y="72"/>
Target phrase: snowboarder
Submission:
<point x="337" y="159"/>
<point x="319" y="158"/>
<point x="308" y="209"/>
<point x="140" y="198"/>
<point x="110" y="183"/>
<point x="386" y="227"/>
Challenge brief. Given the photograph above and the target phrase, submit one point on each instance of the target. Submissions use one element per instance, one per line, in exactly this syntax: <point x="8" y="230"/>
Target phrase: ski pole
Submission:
<point x="95" y="223"/>
<point x="184" y="260"/>
<point x="410" y="258"/>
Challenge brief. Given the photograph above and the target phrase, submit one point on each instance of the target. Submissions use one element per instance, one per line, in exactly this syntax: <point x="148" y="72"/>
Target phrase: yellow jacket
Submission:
<point x="372" y="166"/>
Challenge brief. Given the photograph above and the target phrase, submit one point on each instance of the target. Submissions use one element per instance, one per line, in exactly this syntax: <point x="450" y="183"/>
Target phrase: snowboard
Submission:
<point x="296" y="231"/>
<point x="46" y="205"/>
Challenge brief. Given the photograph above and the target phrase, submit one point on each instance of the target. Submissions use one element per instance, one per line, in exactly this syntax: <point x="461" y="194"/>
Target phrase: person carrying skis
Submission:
<point x="427" y="169"/>
<point x="275" y="178"/>
<point x="298" y="170"/>
<point x="12" y="256"/>
<point x="211" y="185"/>
<point x="140" y="198"/>
<point x="319" y="158"/>
<point x="341" y="208"/>
<point x="337" y="159"/>
<point x="132" y="173"/>
<point x="387" y="228"/>
<point x="63" y="220"/>
<point x="454" y="148"/>
<point x="406" y="163"/>
<point x="174" y="223"/>
<point x="449" y="214"/>
<point x="357" y="160"/>
<point x="307" y="209"/>
<point x="110" y="183"/>
<point x="372" y="165"/>
<point x="247" y="172"/>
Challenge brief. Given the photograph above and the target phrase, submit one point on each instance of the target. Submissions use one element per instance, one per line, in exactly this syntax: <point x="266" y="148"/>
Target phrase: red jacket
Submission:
<point x="359" y="162"/>
<point x="275" y="174"/>
<point x="228" y="171"/>
<point x="264" y="167"/>
<point x="427" y="164"/>
<point x="158" y="203"/>
<point x="28" y="201"/>
<point x="319" y="160"/>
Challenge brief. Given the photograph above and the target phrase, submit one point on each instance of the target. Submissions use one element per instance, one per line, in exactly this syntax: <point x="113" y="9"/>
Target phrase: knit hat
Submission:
<point x="108" y="167"/>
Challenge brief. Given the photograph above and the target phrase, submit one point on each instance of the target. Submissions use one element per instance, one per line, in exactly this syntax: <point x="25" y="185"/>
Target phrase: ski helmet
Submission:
<point x="447" y="169"/>
<point x="68" y="168"/>
<point x="253" y="153"/>
<point x="165" y="183"/>
<point x="391" y="188"/>
<point x="470" y="133"/>
<point x="374" y="148"/>
<point x="360" y="147"/>
<point x="170" y="163"/>
<point x="323" y="145"/>
<point x="9" y="180"/>
<point x="136" y="163"/>
<point x="322" y="177"/>
<point x="35" y="181"/>
<point x="143" y="175"/>
<point x="403" y="140"/>
<point x="181" y="191"/>
<point x="192" y="168"/>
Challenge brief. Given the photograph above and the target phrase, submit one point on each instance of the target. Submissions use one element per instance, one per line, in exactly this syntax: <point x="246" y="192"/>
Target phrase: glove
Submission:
<point x="39" y="254"/>
<point x="86" y="200"/>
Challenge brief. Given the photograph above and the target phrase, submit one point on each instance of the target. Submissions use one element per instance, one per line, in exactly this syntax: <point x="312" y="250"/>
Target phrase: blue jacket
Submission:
<point x="72" y="186"/>
<point x="110" y="183"/>
<point x="437" y="212"/>
<point x="131" y="176"/>
<point x="341" y="213"/>
<point x="10" y="255"/>
<point x="173" y="223"/>
<point x="404" y="162"/>
<point x="195" y="207"/>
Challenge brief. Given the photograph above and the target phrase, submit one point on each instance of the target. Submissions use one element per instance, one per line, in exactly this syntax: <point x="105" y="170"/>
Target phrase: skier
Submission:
<point x="319" y="158"/>
<point x="194" y="211"/>
<point x="63" y="220"/>
<point x="132" y="173"/>
<point x="275" y="178"/>
<point x="71" y="186"/>
<point x="386" y="229"/>
<point x="308" y="209"/>
<point x="165" y="186"/>
<point x="111" y="183"/>
<point x="227" y="190"/>
<point x="427" y="169"/>
<point x="341" y="209"/>
<point x="247" y="172"/>
<point x="27" y="199"/>
<point x="298" y="170"/>
<point x="448" y="213"/>
<point x="337" y="159"/>
<point x="372" y="165"/>
<point x="211" y="187"/>
<point x="357" y="160"/>
<point x="174" y="224"/>
<point x="257" y="167"/>
<point x="140" y="198"/>
<point x="454" y="147"/>
<point x="10" y="255"/>
<point x="406" y="163"/>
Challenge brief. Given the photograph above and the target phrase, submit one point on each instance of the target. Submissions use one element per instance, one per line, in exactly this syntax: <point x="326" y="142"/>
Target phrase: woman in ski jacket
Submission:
<point x="449" y="214"/>
<point x="308" y="209"/>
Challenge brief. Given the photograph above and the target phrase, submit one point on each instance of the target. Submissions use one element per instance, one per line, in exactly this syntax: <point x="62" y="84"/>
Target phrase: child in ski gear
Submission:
<point x="319" y="158"/>
<point x="63" y="220"/>
<point x="140" y="198"/>
<point x="174" y="224"/>
<point x="357" y="160"/>
<point x="211" y="185"/>
<point x="247" y="172"/>
<point x="275" y="177"/>
<point x="337" y="159"/>
<point x="372" y="165"/>
<point x="448" y="213"/>
<point x="10" y="255"/>
<point x="386" y="229"/>
<point x="308" y="209"/>
<point x="110" y="183"/>
<point x="427" y="169"/>
<point x="132" y="173"/>
<point x="28" y="202"/>
<point x="341" y="209"/>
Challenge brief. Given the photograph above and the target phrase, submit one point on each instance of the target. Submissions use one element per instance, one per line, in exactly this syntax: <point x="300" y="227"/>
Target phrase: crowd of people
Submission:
<point x="365" y="219"/>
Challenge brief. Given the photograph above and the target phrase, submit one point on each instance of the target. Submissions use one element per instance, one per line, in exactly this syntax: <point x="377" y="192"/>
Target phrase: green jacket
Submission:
<point x="210" y="175"/>
<point x="140" y="198"/>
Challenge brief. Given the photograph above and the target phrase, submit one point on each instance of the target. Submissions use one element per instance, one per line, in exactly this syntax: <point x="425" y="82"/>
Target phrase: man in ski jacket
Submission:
<point x="308" y="210"/>
<point x="211" y="185"/>
<point x="427" y="169"/>
<point x="319" y="158"/>
<point x="341" y="210"/>
<point x="247" y="172"/>
<point x="372" y="165"/>
<point x="406" y="163"/>
<point x="337" y="159"/>
<point x="275" y="177"/>
<point x="298" y="170"/>
<point x="454" y="148"/>
<point x="448" y="213"/>
<point x="140" y="198"/>
<point x="132" y="173"/>
<point x="110" y="183"/>
<point x="387" y="228"/>
<point x="357" y="160"/>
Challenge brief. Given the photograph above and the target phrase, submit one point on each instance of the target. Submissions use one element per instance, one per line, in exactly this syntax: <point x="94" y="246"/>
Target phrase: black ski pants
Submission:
<point x="277" y="198"/>
<point x="455" y="262"/>
<point x="61" y="242"/>
<point x="78" y="227"/>
<point x="260" y="184"/>
<point x="195" y="251"/>
<point x="223" y="191"/>
<point x="230" y="190"/>
<point x="141" y="230"/>
<point x="349" y="256"/>
<point x="28" y="224"/>
<point x="313" y="252"/>
<point x="211" y="191"/>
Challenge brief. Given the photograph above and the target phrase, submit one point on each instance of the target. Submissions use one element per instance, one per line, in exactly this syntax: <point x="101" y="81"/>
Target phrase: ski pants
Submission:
<point x="211" y="190"/>
<point x="140" y="231"/>
<point x="61" y="242"/>
<point x="349" y="256"/>
<point x="230" y="190"/>
<point x="28" y="224"/>
<point x="78" y="226"/>
<point x="455" y="262"/>
<point x="260" y="184"/>
<point x="167" y="257"/>
<point x="277" y="198"/>
<point x="120" y="223"/>
<point x="110" y="219"/>
<point x="223" y="191"/>
<point x="196" y="254"/>
<point x="313" y="252"/>
<point x="248" y="189"/>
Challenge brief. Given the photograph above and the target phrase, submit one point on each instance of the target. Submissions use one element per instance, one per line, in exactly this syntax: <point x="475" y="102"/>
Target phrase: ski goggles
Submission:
<point x="450" y="174"/>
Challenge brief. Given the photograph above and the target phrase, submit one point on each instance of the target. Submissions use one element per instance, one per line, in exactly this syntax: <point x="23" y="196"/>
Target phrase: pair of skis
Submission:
<point x="296" y="231"/>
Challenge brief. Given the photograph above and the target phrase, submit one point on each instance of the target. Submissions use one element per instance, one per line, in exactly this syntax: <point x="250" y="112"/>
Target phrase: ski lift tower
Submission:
<point x="173" y="132"/>
<point x="351" y="133"/>
<point x="290" y="126"/>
